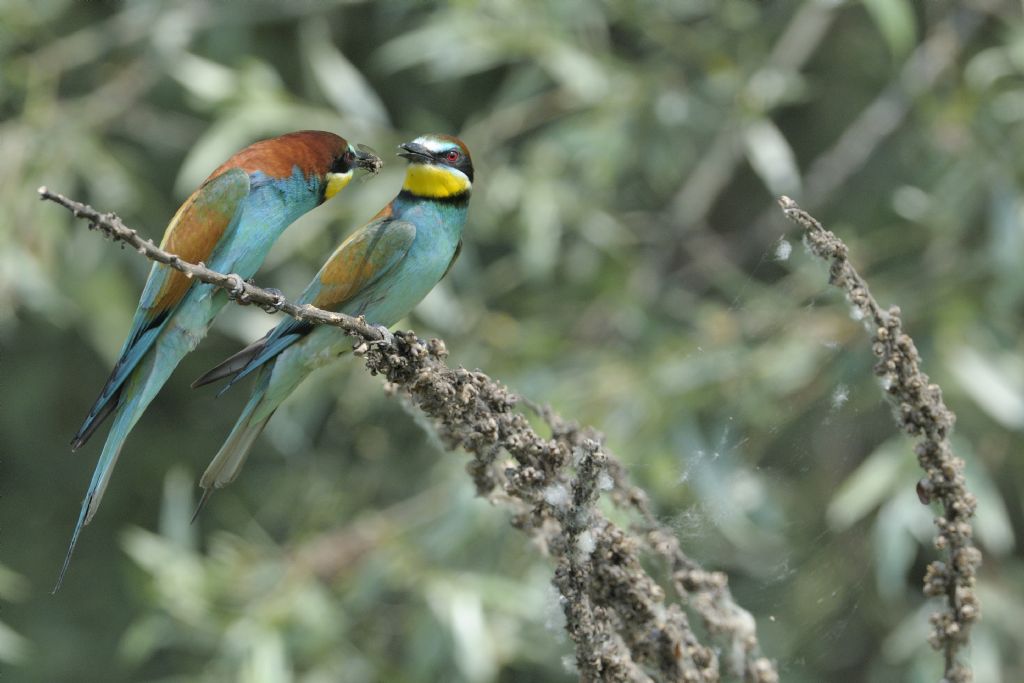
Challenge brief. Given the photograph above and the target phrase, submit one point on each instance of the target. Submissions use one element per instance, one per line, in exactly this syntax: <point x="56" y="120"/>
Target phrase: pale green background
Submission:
<point x="623" y="262"/>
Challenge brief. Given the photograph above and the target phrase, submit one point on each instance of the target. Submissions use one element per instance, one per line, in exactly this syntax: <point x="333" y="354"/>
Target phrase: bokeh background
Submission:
<point x="624" y="262"/>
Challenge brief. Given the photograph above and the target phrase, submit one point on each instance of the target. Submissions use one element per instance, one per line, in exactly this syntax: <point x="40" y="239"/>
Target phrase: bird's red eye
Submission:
<point x="452" y="156"/>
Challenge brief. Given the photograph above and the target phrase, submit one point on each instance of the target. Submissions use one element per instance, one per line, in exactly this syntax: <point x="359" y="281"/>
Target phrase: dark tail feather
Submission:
<point x="135" y="347"/>
<point x="95" y="419"/>
<point x="71" y="546"/>
<point x="229" y="460"/>
<point x="202" y="503"/>
<point x="232" y="455"/>
<point x="231" y="366"/>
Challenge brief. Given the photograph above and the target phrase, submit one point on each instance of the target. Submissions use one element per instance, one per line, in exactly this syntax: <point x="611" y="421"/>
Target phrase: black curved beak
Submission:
<point x="415" y="152"/>
<point x="368" y="160"/>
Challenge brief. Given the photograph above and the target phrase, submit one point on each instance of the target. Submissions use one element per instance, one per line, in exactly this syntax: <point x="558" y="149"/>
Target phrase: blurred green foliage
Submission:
<point x="623" y="262"/>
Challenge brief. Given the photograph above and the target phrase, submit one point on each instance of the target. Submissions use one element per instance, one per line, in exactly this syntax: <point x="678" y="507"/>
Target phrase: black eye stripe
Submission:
<point x="343" y="163"/>
<point x="440" y="157"/>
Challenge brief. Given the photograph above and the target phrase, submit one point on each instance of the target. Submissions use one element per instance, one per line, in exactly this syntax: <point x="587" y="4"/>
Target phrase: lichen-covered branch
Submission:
<point x="622" y="622"/>
<point x="919" y="409"/>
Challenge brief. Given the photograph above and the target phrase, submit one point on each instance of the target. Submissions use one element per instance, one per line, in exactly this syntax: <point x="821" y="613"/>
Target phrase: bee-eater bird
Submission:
<point x="381" y="271"/>
<point x="229" y="223"/>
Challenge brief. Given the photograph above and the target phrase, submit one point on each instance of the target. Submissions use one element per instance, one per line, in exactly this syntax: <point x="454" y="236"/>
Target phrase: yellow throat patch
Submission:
<point x="336" y="182"/>
<point x="434" y="182"/>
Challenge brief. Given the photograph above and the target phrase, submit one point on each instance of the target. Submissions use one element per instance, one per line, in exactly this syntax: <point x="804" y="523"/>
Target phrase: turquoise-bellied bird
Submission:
<point x="229" y="223"/>
<point x="381" y="271"/>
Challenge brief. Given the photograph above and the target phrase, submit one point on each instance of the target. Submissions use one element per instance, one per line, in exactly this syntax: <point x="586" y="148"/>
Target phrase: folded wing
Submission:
<point x="355" y="267"/>
<point x="193" y="234"/>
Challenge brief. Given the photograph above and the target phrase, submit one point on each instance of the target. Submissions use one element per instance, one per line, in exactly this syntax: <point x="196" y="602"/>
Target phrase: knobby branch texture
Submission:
<point x="623" y="623"/>
<point x="919" y="409"/>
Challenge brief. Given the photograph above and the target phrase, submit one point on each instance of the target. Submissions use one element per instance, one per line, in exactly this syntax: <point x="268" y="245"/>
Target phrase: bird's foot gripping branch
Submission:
<point x="624" y="625"/>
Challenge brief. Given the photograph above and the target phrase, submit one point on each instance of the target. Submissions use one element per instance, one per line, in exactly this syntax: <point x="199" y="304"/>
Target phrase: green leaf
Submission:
<point x="895" y="20"/>
<point x="343" y="85"/>
<point x="771" y="157"/>
<point x="874" y="480"/>
<point x="995" y="382"/>
<point x="894" y="542"/>
<point x="13" y="647"/>
<point x="992" y="519"/>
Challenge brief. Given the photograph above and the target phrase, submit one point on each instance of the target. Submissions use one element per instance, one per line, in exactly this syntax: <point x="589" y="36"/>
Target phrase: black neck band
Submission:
<point x="457" y="199"/>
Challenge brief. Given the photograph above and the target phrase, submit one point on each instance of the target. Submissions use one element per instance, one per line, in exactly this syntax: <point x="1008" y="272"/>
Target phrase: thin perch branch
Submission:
<point x="623" y="625"/>
<point x="919" y="409"/>
<point x="241" y="291"/>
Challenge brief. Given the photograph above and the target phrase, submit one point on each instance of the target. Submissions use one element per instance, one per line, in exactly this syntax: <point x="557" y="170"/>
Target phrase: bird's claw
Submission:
<point x="386" y="338"/>
<point x="278" y="303"/>
<point x="237" y="289"/>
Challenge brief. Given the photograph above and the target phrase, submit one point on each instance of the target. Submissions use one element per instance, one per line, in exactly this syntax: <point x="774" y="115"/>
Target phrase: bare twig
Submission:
<point x="619" y="618"/>
<point x="921" y="412"/>
<point x="244" y="292"/>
